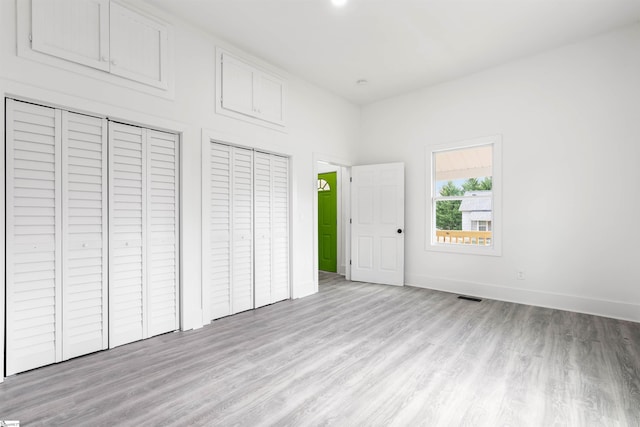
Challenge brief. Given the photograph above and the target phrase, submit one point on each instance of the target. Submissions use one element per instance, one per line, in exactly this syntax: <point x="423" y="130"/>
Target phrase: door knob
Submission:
<point x="399" y="230"/>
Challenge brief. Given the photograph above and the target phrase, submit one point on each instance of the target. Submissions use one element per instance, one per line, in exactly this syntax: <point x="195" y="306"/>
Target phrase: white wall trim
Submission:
<point x="598" y="307"/>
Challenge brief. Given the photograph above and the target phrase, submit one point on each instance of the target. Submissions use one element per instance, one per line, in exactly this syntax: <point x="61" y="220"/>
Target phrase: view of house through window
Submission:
<point x="462" y="196"/>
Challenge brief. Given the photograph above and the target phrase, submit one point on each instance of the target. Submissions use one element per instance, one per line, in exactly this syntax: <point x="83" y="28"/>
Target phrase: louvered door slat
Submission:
<point x="127" y="217"/>
<point x="262" y="228"/>
<point x="280" y="229"/>
<point x="85" y="234"/>
<point x="162" y="224"/>
<point x="33" y="237"/>
<point x="242" y="230"/>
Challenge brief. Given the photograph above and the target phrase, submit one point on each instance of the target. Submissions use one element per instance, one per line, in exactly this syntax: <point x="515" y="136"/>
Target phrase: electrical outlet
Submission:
<point x="520" y="275"/>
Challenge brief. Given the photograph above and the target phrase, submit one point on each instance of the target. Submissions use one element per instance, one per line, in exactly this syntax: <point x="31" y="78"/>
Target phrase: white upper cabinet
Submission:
<point x="76" y="30"/>
<point x="246" y="91"/>
<point x="138" y="47"/>
<point x="238" y="86"/>
<point x="271" y="98"/>
<point x="104" y="35"/>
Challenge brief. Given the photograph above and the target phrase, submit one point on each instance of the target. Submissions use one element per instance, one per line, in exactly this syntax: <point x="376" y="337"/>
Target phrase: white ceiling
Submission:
<point x="398" y="45"/>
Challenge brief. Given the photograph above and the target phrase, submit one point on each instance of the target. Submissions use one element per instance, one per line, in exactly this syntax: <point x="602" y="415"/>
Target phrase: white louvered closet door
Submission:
<point x="33" y="237"/>
<point x="56" y="234"/>
<point x="162" y="237"/>
<point x="144" y="225"/>
<point x="242" y="230"/>
<point x="217" y="212"/>
<point x="280" y="286"/>
<point x="84" y="226"/>
<point x="127" y="234"/>
<point x="246" y="218"/>
<point x="263" y="208"/>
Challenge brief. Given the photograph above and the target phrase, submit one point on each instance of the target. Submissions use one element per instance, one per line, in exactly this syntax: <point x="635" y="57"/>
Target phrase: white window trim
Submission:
<point x="495" y="249"/>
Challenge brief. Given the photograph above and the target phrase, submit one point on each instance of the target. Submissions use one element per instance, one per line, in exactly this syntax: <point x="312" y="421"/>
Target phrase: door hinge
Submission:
<point x="350" y="221"/>
<point x="349" y="262"/>
<point x="30" y="38"/>
<point x="350" y="179"/>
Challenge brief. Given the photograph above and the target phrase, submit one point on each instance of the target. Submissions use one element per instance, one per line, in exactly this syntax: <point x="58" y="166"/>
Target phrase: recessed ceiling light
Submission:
<point x="362" y="82"/>
<point x="339" y="3"/>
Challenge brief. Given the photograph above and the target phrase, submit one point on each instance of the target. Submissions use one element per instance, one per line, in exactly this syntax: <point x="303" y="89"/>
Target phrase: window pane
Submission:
<point x="465" y="173"/>
<point x="464" y="163"/>
<point x="467" y="221"/>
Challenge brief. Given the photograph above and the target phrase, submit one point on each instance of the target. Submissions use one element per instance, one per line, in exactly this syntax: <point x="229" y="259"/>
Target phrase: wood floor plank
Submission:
<point x="353" y="354"/>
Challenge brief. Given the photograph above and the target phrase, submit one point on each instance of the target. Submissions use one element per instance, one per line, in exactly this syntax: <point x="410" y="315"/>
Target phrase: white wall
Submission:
<point x="317" y="122"/>
<point x="570" y="121"/>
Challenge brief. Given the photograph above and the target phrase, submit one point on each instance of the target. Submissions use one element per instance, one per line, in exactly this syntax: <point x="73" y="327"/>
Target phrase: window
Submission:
<point x="481" y="225"/>
<point x="323" y="185"/>
<point x="464" y="182"/>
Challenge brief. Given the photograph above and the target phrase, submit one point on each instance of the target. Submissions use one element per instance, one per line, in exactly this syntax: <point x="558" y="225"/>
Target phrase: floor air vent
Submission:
<point x="466" y="298"/>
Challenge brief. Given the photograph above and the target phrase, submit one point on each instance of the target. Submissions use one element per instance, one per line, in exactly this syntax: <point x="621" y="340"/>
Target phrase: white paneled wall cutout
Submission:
<point x="246" y="221"/>
<point x="90" y="262"/>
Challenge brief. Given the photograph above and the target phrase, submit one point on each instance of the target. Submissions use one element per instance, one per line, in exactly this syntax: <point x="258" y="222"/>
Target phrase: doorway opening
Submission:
<point x="332" y="218"/>
<point x="328" y="222"/>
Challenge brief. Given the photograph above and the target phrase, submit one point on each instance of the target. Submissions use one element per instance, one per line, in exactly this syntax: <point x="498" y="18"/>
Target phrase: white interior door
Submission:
<point x="216" y="224"/>
<point x="245" y="215"/>
<point x="377" y="230"/>
<point x="34" y="237"/>
<point x="263" y="206"/>
<point x="242" y="230"/>
<point x="162" y="235"/>
<point x="280" y="288"/>
<point x="127" y="234"/>
<point x="271" y="228"/>
<point x="84" y="231"/>
<point x="56" y="235"/>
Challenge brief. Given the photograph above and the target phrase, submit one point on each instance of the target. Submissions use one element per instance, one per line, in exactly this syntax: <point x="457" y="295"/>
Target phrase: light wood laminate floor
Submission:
<point x="353" y="354"/>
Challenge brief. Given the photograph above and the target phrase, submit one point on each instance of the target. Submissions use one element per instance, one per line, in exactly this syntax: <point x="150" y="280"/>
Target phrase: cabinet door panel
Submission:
<point x="139" y="47"/>
<point x="237" y="86"/>
<point x="271" y="99"/>
<point x="75" y="30"/>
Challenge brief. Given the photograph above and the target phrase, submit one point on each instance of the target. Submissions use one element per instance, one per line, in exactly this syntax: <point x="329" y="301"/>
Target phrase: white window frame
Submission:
<point x="431" y="244"/>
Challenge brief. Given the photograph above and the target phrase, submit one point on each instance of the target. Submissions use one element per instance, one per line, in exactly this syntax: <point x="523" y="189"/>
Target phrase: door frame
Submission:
<point x="346" y="229"/>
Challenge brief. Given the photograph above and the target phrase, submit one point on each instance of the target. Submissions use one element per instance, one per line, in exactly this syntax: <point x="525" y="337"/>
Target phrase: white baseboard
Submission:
<point x="598" y="307"/>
